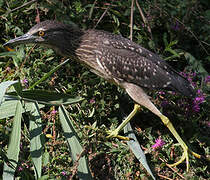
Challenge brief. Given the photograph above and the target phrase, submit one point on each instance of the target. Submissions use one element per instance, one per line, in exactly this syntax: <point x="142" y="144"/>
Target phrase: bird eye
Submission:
<point x="41" y="33"/>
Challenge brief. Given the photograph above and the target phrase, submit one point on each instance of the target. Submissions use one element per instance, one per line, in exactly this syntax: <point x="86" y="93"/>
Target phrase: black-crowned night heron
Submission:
<point x="117" y="60"/>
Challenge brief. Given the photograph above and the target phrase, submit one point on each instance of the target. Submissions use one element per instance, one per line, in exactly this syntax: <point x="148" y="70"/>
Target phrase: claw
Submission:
<point x="185" y="155"/>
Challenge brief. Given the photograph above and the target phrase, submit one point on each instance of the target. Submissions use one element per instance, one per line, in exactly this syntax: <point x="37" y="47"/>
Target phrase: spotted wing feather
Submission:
<point x="127" y="61"/>
<point x="131" y="67"/>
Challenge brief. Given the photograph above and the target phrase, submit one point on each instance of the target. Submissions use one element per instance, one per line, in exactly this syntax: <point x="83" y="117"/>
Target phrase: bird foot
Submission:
<point x="185" y="156"/>
<point x="114" y="134"/>
<point x="111" y="134"/>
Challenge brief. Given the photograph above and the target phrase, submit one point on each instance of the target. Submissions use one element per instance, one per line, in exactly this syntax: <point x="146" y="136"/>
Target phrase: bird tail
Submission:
<point x="182" y="85"/>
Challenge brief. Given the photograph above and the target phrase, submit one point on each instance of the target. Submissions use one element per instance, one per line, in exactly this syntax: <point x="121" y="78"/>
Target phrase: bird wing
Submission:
<point x="127" y="61"/>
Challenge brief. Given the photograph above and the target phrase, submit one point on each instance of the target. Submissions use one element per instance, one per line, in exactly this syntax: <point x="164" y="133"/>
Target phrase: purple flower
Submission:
<point x="200" y="98"/>
<point x="176" y="26"/>
<point x="193" y="74"/>
<point x="193" y="84"/>
<point x="8" y="69"/>
<point x="197" y="101"/>
<point x="63" y="173"/>
<point x="183" y="74"/>
<point x="92" y="101"/>
<point x="25" y="80"/>
<point x="53" y="112"/>
<point x="25" y="83"/>
<point x="20" y="168"/>
<point x="196" y="108"/>
<point x="198" y="91"/>
<point x="158" y="143"/>
<point x="189" y="79"/>
<point x="161" y="92"/>
<point x="189" y="76"/>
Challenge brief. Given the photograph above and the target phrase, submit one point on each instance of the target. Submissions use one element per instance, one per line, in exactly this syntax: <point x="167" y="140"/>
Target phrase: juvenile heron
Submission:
<point x="117" y="60"/>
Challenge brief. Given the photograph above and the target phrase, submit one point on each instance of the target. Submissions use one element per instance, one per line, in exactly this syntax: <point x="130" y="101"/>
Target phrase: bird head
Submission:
<point x="58" y="36"/>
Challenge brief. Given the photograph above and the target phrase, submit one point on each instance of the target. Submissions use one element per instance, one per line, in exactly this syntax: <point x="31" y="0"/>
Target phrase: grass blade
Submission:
<point x="3" y="88"/>
<point x="48" y="74"/>
<point x="136" y="148"/>
<point x="7" y="108"/>
<point x="48" y="97"/>
<point x="35" y="139"/>
<point x="74" y="145"/>
<point x="14" y="145"/>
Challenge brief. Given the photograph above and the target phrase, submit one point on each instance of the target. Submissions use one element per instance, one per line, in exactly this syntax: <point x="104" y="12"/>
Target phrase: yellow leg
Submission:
<point x="185" y="155"/>
<point x="166" y="121"/>
<point x="114" y="133"/>
<point x="139" y="96"/>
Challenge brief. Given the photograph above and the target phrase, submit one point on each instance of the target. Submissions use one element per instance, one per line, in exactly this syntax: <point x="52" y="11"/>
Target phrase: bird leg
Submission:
<point x="185" y="155"/>
<point x="139" y="96"/>
<point x="115" y="132"/>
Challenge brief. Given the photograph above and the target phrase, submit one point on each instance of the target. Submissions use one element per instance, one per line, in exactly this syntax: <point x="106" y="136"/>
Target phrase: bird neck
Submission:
<point x="69" y="42"/>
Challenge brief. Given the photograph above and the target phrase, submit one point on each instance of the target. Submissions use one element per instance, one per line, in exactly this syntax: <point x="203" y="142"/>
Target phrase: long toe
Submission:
<point x="185" y="156"/>
<point x="114" y="134"/>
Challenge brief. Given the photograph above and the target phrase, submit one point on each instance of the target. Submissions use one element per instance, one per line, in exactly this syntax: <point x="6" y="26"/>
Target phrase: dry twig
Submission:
<point x="131" y="21"/>
<point x="144" y="19"/>
<point x="173" y="169"/>
<point x="102" y="16"/>
<point x="25" y="4"/>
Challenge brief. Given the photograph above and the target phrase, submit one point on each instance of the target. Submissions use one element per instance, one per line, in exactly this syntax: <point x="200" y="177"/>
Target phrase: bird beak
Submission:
<point x="24" y="39"/>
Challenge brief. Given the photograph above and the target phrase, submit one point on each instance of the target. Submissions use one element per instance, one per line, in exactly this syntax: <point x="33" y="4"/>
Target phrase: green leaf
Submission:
<point x="74" y="144"/>
<point x="47" y="97"/>
<point x="151" y="44"/>
<point x="172" y="52"/>
<point x="8" y="107"/>
<point x="136" y="148"/>
<point x="14" y="145"/>
<point x="18" y="87"/>
<point x="196" y="64"/>
<point x="165" y="39"/>
<point x="47" y="75"/>
<point x="3" y="88"/>
<point x="8" y="54"/>
<point x="91" y="10"/>
<point x="45" y="158"/>
<point x="173" y="56"/>
<point x="35" y="139"/>
<point x="116" y="20"/>
<point x="173" y="43"/>
<point x="45" y="177"/>
<point x="189" y="57"/>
